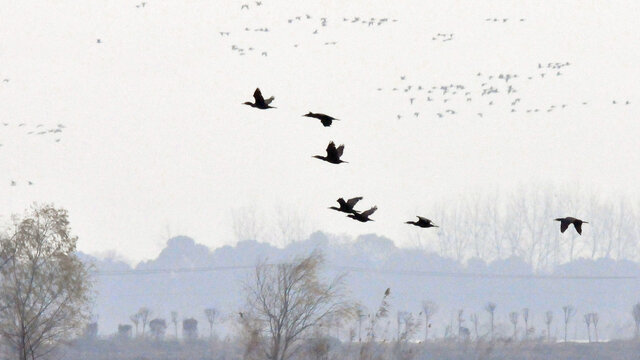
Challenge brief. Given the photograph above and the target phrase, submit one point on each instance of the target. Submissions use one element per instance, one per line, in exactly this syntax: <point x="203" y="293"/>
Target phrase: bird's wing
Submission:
<point x="424" y="219"/>
<point x="340" y="150"/>
<point x="331" y="150"/>
<point x="352" y="202"/>
<point x="578" y="226"/>
<point x="564" y="225"/>
<point x="369" y="212"/>
<point x="342" y="202"/>
<point x="269" y="100"/>
<point x="257" y="95"/>
<point x="326" y="122"/>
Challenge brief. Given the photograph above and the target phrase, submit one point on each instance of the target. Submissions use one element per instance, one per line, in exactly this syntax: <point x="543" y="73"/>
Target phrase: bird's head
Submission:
<point x="309" y="114"/>
<point x="248" y="103"/>
<point x="318" y="157"/>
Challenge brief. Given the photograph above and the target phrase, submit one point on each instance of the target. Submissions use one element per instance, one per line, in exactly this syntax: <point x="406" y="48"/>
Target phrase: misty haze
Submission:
<point x="319" y="180"/>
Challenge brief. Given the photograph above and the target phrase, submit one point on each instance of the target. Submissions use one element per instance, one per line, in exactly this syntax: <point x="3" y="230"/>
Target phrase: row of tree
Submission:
<point x="493" y="226"/>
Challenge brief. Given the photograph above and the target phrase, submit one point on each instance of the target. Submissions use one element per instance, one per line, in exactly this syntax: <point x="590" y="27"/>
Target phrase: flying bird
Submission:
<point x="422" y="222"/>
<point x="363" y="216"/>
<point x="565" y="222"/>
<point x="326" y="120"/>
<point x="347" y="206"/>
<point x="260" y="102"/>
<point x="333" y="154"/>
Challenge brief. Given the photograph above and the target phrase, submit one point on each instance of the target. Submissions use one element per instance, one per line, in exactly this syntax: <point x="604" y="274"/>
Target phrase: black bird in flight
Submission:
<point x="347" y="206"/>
<point x="422" y="222"/>
<point x="565" y="222"/>
<point x="363" y="216"/>
<point x="333" y="154"/>
<point x="326" y="120"/>
<point x="259" y="101"/>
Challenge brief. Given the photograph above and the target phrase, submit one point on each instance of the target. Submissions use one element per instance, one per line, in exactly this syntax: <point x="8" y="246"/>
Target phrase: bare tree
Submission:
<point x="460" y="323"/>
<point x="636" y="317"/>
<point x="135" y="319"/>
<point x="45" y="289"/>
<point x="474" y="319"/>
<point x="409" y="325"/>
<point x="513" y="318"/>
<point x="144" y="314"/>
<point x="366" y="350"/>
<point x="491" y="309"/>
<point x="569" y="312"/>
<point x="211" y="314"/>
<point x="525" y="317"/>
<point x="429" y="308"/>
<point x="548" y="318"/>
<point x="587" y="321"/>
<point x="289" y="300"/>
<point x="174" y="320"/>
<point x="291" y="225"/>
<point x="360" y="315"/>
<point x="595" y="318"/>
<point x="246" y="225"/>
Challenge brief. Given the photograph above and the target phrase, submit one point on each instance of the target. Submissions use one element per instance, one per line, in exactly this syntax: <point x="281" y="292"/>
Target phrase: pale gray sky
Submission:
<point x="156" y="136"/>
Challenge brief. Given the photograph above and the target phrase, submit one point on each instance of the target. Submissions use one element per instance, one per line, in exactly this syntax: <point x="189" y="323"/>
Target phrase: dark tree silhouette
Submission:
<point x="513" y="318"/>
<point x="190" y="329"/>
<point x="429" y="308"/>
<point x="587" y="321"/>
<point x="211" y="315"/>
<point x="144" y="314"/>
<point x="491" y="309"/>
<point x="595" y="318"/>
<point x="158" y="328"/>
<point x="525" y="317"/>
<point x="174" y="320"/>
<point x="636" y="317"/>
<point x="569" y="311"/>
<point x="548" y="319"/>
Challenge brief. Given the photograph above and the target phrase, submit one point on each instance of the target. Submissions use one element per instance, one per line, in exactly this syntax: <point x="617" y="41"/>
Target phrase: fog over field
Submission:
<point x="419" y="178"/>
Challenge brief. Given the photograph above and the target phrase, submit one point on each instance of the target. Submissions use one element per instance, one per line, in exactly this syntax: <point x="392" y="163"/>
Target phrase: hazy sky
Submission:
<point x="157" y="141"/>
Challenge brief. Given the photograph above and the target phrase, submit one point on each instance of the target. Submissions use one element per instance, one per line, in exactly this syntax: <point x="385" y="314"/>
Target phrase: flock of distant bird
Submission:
<point x="334" y="156"/>
<point x="492" y="90"/>
<point x="37" y="130"/>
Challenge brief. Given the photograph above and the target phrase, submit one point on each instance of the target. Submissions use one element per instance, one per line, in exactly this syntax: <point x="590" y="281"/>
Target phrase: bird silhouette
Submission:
<point x="259" y="101"/>
<point x="347" y="206"/>
<point x="363" y="216"/>
<point x="333" y="154"/>
<point x="326" y="120"/>
<point x="565" y="222"/>
<point x="422" y="222"/>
